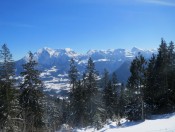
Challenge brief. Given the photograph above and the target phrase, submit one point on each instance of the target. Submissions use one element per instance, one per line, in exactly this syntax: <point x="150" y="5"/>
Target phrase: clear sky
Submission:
<point x="28" y="25"/>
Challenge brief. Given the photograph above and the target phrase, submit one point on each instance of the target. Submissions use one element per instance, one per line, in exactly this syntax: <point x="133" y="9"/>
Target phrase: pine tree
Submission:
<point x="65" y="111"/>
<point x="158" y="93"/>
<point x="121" y="101"/>
<point x="171" y="76"/>
<point x="7" y="90"/>
<point x="52" y="113"/>
<point x="135" y="85"/>
<point x="90" y="91"/>
<point x="161" y="82"/>
<point x="76" y="97"/>
<point x="73" y="74"/>
<point x="115" y="95"/>
<point x="99" y="117"/>
<point x="78" y="105"/>
<point x="105" y="79"/>
<point x="104" y="83"/>
<point x="171" y="55"/>
<point x="110" y="96"/>
<point x="31" y="95"/>
<point x="150" y="89"/>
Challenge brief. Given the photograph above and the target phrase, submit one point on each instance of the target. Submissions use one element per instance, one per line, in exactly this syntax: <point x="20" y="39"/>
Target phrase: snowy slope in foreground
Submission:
<point x="161" y="123"/>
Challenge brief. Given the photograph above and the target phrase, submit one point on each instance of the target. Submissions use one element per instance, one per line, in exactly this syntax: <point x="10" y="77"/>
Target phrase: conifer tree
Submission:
<point x="73" y="74"/>
<point x="53" y="117"/>
<point x="158" y="93"/>
<point x="121" y="101"/>
<point x="90" y="91"/>
<point x="100" y="112"/>
<point x="31" y="96"/>
<point x="104" y="83"/>
<point x="151" y="90"/>
<point x="135" y="86"/>
<point x="161" y="82"/>
<point x="171" y="76"/>
<point x="105" y="79"/>
<point x="76" y="97"/>
<point x="7" y="90"/>
<point x="110" y="96"/>
<point x="115" y="95"/>
<point x="171" y="55"/>
<point x="78" y="105"/>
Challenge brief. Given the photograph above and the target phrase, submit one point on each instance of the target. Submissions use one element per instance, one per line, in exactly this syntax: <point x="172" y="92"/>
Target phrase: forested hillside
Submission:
<point x="94" y="98"/>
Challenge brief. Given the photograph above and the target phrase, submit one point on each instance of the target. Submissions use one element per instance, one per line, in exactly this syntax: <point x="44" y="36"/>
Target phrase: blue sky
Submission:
<point x="28" y="25"/>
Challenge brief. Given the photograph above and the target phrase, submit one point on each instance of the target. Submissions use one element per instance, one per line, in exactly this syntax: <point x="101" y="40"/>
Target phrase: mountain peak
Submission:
<point x="90" y="52"/>
<point x="68" y="49"/>
<point x="46" y="49"/>
<point x="47" y="53"/>
<point x="54" y="52"/>
<point x="135" y="49"/>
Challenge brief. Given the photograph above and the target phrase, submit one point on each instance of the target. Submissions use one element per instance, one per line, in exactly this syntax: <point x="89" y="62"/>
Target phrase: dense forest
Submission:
<point x="93" y="100"/>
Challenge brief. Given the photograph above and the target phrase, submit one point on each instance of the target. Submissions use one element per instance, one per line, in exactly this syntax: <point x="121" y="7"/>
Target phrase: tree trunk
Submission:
<point x="24" y="122"/>
<point x="142" y="109"/>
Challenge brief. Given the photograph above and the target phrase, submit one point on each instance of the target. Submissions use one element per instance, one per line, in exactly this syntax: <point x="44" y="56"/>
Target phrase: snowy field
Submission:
<point x="161" y="123"/>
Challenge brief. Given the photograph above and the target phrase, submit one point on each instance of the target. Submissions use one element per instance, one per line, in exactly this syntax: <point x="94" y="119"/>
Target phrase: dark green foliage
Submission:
<point x="53" y="112"/>
<point x="31" y="95"/>
<point x="7" y="91"/>
<point x="65" y="111"/>
<point x="6" y="63"/>
<point x="115" y="94"/>
<point x="85" y="99"/>
<point x="109" y="100"/>
<point x="73" y="74"/>
<point x="150" y="90"/>
<point x="77" y="105"/>
<point x="91" y="78"/>
<point x="110" y="96"/>
<point x="105" y="79"/>
<point x="99" y="116"/>
<point x="171" y="75"/>
<point x="135" y="86"/>
<point x="158" y="85"/>
<point x="91" y="90"/>
<point x="76" y="97"/>
<point x="121" y="101"/>
<point x="160" y="80"/>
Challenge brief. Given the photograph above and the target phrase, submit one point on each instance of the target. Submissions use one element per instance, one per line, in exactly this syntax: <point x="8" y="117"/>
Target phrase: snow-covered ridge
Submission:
<point x="46" y="49"/>
<point x="56" y="52"/>
<point x="54" y="62"/>
<point x="96" y="54"/>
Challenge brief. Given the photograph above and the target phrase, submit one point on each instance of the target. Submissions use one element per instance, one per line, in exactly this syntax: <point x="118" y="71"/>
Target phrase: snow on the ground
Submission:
<point x="58" y="82"/>
<point x="48" y="72"/>
<point x="161" y="123"/>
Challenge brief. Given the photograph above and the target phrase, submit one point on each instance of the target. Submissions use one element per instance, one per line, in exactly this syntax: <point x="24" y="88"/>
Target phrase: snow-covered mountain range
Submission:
<point x="54" y="64"/>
